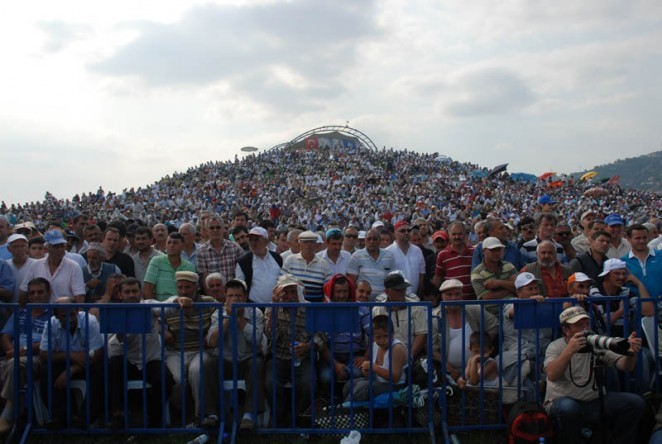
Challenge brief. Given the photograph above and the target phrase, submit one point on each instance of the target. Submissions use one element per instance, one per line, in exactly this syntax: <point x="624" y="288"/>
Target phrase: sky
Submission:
<point x="119" y="94"/>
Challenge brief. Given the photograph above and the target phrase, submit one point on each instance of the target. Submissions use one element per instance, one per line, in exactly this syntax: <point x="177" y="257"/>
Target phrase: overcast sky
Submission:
<point x="121" y="93"/>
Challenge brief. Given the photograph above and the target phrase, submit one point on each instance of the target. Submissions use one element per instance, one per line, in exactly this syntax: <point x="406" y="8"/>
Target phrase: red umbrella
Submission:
<point x="547" y="175"/>
<point x="595" y="191"/>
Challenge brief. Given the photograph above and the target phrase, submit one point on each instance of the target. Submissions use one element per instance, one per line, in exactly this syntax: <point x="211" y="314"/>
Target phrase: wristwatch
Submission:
<point x="91" y="353"/>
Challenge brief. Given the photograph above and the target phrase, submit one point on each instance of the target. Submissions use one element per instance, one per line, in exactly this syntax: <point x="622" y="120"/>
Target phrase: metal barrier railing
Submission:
<point x="67" y="372"/>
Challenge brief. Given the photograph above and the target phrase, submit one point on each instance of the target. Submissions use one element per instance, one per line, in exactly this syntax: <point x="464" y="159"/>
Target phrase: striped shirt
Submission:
<point x="313" y="274"/>
<point x="374" y="271"/>
<point x="529" y="248"/>
<point x="193" y="337"/>
<point x="161" y="274"/>
<point x="454" y="265"/>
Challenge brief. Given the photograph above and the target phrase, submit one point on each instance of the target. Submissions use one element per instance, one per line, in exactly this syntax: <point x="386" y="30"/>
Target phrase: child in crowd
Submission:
<point x="480" y="366"/>
<point x="388" y="364"/>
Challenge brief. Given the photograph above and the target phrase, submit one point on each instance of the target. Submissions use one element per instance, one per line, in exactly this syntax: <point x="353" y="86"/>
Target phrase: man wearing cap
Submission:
<point x="525" y="345"/>
<point x="160" y="275"/>
<point x="249" y="324"/>
<point x="642" y="261"/>
<point x="259" y="268"/>
<point x="459" y="321"/>
<point x="579" y="286"/>
<point x="493" y="278"/>
<point x="404" y="318"/>
<point x="454" y="261"/>
<point x="218" y="254"/>
<point x="545" y="225"/>
<point x="546" y="204"/>
<point x="581" y="242"/>
<point x="554" y="275"/>
<point x="64" y="275"/>
<point x="614" y="277"/>
<point x="184" y="338"/>
<point x="290" y="353"/>
<point x="619" y="247"/>
<point x="592" y="261"/>
<point x="408" y="258"/>
<point x="439" y="240"/>
<point x="19" y="263"/>
<point x="312" y="271"/>
<point x="499" y="230"/>
<point x="572" y="399"/>
<point x="371" y="264"/>
<point x="337" y="258"/>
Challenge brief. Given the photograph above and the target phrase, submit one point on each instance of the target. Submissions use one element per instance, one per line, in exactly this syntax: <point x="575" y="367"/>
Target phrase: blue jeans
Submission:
<point x="622" y="414"/>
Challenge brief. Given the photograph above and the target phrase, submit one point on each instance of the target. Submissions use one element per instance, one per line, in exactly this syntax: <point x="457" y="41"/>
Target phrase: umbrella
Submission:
<point x="595" y="191"/>
<point x="524" y="177"/>
<point x="546" y="175"/>
<point x="249" y="149"/>
<point x="589" y="175"/>
<point x="498" y="169"/>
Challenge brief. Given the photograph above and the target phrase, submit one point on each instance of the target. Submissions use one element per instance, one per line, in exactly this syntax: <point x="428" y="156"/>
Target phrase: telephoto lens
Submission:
<point x="598" y="342"/>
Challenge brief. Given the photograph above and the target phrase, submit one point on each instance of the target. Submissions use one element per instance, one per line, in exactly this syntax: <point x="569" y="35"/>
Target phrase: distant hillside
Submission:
<point x="641" y="173"/>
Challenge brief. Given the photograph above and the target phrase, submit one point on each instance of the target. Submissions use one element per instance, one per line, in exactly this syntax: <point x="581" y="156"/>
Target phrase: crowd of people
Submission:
<point x="325" y="226"/>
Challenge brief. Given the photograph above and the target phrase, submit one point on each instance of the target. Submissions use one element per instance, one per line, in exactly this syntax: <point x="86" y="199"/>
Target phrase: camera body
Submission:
<point x="599" y="342"/>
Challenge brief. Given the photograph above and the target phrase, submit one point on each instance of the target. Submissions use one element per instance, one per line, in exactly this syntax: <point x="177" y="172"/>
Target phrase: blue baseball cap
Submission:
<point x="614" y="219"/>
<point x="545" y="199"/>
<point x="54" y="237"/>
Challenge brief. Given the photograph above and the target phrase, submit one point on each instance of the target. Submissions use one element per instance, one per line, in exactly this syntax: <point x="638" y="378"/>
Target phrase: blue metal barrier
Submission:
<point x="462" y="409"/>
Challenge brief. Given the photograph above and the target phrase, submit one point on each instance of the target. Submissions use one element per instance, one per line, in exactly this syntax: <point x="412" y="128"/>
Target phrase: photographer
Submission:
<point x="572" y="397"/>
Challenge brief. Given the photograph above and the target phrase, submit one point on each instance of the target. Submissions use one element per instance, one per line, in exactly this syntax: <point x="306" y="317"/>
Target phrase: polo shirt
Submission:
<point x="66" y="281"/>
<point x="648" y="272"/>
<point x="161" y="274"/>
<point x="620" y="251"/>
<point x="312" y="274"/>
<point x="340" y="265"/>
<point x="480" y="275"/>
<point x="140" y="267"/>
<point x="372" y="270"/>
<point x="411" y="264"/>
<point x="453" y="265"/>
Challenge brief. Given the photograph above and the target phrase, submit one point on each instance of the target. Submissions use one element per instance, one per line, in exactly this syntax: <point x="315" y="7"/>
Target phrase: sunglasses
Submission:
<point x="351" y="236"/>
<point x="215" y="227"/>
<point x="564" y="233"/>
<point x="527" y="227"/>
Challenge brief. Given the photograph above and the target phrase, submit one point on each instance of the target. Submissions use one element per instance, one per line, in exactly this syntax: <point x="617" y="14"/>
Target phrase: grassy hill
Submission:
<point x="642" y="173"/>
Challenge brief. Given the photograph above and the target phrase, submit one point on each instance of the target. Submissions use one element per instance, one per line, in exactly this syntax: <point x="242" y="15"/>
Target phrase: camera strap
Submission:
<point x="590" y="373"/>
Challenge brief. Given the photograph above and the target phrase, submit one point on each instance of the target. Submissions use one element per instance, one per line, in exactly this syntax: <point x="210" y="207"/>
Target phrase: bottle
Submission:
<point x="541" y="440"/>
<point x="202" y="439"/>
<point x="297" y="361"/>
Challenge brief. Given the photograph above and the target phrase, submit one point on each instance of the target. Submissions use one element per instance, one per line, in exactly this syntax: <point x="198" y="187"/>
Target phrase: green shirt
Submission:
<point x="161" y="274"/>
<point x="480" y="275"/>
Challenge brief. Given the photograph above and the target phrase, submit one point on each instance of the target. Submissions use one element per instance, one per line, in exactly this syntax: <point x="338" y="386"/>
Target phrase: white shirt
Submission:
<point x="412" y="264"/>
<point x="19" y="275"/>
<point x="340" y="266"/>
<point x="265" y="273"/>
<point x="66" y="281"/>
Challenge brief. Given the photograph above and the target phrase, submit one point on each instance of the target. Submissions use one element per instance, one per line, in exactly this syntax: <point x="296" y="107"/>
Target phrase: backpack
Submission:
<point x="527" y="423"/>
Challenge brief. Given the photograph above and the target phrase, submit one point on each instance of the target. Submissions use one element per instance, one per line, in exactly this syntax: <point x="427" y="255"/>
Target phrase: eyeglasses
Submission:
<point x="563" y="233"/>
<point x="215" y="227"/>
<point x="351" y="236"/>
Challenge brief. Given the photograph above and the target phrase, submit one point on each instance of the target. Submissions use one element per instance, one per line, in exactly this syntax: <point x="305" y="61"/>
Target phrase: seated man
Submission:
<point x="572" y="398"/>
<point x="388" y="365"/>
<point x="286" y="353"/>
<point x="39" y="292"/>
<point x="249" y="323"/>
<point x="70" y="342"/>
<point x="183" y="333"/>
<point x="97" y="272"/>
<point x="130" y="293"/>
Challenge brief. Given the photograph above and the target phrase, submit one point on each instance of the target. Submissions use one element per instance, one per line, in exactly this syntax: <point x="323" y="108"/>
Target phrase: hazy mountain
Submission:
<point x="642" y="173"/>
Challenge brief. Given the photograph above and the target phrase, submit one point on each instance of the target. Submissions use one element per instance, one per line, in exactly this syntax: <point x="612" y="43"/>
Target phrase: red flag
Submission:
<point x="311" y="143"/>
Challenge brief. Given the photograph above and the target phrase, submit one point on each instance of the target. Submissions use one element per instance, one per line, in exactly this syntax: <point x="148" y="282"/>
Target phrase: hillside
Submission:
<point x="641" y="173"/>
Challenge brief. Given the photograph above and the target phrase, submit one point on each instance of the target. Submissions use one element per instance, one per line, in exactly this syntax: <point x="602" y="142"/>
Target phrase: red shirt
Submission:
<point x="453" y="265"/>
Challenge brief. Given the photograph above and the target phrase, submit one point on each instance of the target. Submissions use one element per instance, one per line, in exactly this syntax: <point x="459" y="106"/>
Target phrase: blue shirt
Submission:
<point x="649" y="272"/>
<point x="38" y="325"/>
<point x="78" y="342"/>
